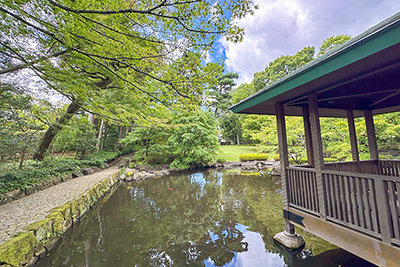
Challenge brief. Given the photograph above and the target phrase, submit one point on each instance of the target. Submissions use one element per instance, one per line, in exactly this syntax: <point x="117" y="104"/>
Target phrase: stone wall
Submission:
<point x="38" y="238"/>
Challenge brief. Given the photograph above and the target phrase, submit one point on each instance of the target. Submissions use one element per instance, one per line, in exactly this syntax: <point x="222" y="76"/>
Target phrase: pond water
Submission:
<point x="209" y="218"/>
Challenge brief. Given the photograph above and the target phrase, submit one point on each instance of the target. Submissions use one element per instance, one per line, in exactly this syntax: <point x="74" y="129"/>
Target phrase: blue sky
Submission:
<point x="283" y="27"/>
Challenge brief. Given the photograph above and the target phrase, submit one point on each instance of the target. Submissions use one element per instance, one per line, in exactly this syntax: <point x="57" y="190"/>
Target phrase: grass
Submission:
<point x="231" y="153"/>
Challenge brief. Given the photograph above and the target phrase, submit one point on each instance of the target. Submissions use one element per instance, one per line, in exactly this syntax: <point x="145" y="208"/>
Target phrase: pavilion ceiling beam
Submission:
<point x="304" y="101"/>
<point x="385" y="98"/>
<point x="357" y="78"/>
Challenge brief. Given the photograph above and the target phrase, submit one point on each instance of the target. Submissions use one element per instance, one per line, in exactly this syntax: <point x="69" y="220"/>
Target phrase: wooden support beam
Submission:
<point x="372" y="145"/>
<point x="307" y="133"/>
<point x="284" y="162"/>
<point x="318" y="152"/>
<point x="353" y="135"/>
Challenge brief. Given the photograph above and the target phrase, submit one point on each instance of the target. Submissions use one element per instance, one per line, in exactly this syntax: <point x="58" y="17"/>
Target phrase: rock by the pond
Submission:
<point x="96" y="169"/>
<point x="76" y="174"/>
<point x="87" y="171"/>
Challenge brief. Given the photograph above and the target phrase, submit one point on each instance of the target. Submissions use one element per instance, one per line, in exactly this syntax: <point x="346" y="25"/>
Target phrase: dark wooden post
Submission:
<point x="284" y="162"/>
<point x="353" y="136"/>
<point x="307" y="134"/>
<point x="372" y="145"/>
<point x="318" y="152"/>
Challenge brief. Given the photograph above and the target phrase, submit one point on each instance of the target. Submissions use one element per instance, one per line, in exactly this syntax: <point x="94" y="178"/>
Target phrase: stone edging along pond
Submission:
<point x="27" y="247"/>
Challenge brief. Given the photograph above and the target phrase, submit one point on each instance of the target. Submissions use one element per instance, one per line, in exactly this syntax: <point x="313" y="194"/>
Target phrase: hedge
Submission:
<point x="252" y="156"/>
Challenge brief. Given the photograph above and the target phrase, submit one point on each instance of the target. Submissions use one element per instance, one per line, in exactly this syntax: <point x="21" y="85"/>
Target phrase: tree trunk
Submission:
<point x="54" y="129"/>
<point x="237" y="139"/>
<point x="100" y="134"/>
<point x="91" y="118"/>
<point x="21" y="160"/>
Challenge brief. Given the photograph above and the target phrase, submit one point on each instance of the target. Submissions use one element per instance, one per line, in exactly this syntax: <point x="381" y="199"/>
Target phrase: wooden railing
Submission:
<point x="381" y="167"/>
<point x="365" y="166"/>
<point x="389" y="167"/>
<point x="303" y="188"/>
<point x="365" y="202"/>
<point x="351" y="201"/>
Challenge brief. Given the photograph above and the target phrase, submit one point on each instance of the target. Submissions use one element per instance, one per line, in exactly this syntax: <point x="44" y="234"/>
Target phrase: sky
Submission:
<point x="284" y="27"/>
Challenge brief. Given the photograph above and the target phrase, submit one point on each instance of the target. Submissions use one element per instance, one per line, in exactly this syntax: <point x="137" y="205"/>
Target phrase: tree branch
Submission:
<point x="30" y="24"/>
<point x="122" y="33"/>
<point x="107" y="12"/>
<point x="28" y="64"/>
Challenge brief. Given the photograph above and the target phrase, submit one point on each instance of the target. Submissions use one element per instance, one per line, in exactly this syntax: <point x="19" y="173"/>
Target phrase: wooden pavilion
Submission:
<point x="352" y="204"/>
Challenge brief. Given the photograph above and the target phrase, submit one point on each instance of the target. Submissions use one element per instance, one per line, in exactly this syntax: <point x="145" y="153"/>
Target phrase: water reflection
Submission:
<point x="199" y="219"/>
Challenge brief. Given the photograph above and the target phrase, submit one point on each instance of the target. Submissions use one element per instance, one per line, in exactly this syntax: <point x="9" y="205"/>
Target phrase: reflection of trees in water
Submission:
<point x="199" y="220"/>
<point x="200" y="228"/>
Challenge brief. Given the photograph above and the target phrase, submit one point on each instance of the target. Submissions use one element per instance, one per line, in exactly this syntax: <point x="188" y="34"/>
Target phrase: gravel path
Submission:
<point x="14" y="216"/>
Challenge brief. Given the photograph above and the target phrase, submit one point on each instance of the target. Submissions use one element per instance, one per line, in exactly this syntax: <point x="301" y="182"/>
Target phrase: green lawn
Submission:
<point x="231" y="153"/>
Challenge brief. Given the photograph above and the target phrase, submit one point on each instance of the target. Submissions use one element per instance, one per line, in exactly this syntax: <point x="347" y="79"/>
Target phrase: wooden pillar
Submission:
<point x="307" y="134"/>
<point x="284" y="162"/>
<point x="318" y="152"/>
<point x="353" y="136"/>
<point x="372" y="145"/>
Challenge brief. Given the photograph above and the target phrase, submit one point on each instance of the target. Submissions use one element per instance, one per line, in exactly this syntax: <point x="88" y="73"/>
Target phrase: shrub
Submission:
<point x="298" y="161"/>
<point x="99" y="158"/>
<point x="330" y="160"/>
<point x="252" y="156"/>
<point x="222" y="161"/>
<point x="156" y="158"/>
<point x="34" y="172"/>
<point x="276" y="157"/>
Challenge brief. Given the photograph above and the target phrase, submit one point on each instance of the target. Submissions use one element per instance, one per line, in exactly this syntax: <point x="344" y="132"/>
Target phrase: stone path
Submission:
<point x="16" y="215"/>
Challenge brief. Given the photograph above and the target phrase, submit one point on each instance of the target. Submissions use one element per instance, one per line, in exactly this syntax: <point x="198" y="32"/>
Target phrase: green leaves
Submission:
<point x="331" y="43"/>
<point x="186" y="140"/>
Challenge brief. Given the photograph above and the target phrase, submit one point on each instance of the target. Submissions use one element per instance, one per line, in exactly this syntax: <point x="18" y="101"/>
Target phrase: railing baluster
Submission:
<point x="343" y="199"/>
<point x="354" y="201"/>
<point x="360" y="203"/>
<point x="303" y="191"/>
<point x="372" y="199"/>
<point x="367" y="208"/>
<point x="333" y="197"/>
<point x="348" y="201"/>
<point x="393" y="208"/>
<point x="329" y="208"/>
<point x="337" y="197"/>
<point x="385" y="224"/>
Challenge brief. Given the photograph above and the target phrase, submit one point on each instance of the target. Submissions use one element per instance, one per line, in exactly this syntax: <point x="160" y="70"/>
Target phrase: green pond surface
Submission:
<point x="209" y="218"/>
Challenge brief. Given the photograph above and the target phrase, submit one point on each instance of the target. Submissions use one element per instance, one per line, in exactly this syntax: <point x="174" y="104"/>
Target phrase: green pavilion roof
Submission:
<point x="362" y="74"/>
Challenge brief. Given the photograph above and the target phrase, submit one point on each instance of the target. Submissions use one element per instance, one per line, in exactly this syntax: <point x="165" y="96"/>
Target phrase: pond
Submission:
<point x="209" y="218"/>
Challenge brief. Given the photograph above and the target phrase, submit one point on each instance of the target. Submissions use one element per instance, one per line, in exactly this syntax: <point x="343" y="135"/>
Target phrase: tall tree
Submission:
<point x="332" y="42"/>
<point x="85" y="50"/>
<point x="221" y="93"/>
<point x="281" y="67"/>
<point x="18" y="125"/>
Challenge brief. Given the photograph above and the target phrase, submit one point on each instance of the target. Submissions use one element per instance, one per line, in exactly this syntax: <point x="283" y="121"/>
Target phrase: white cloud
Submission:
<point x="283" y="27"/>
<point x="208" y="58"/>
